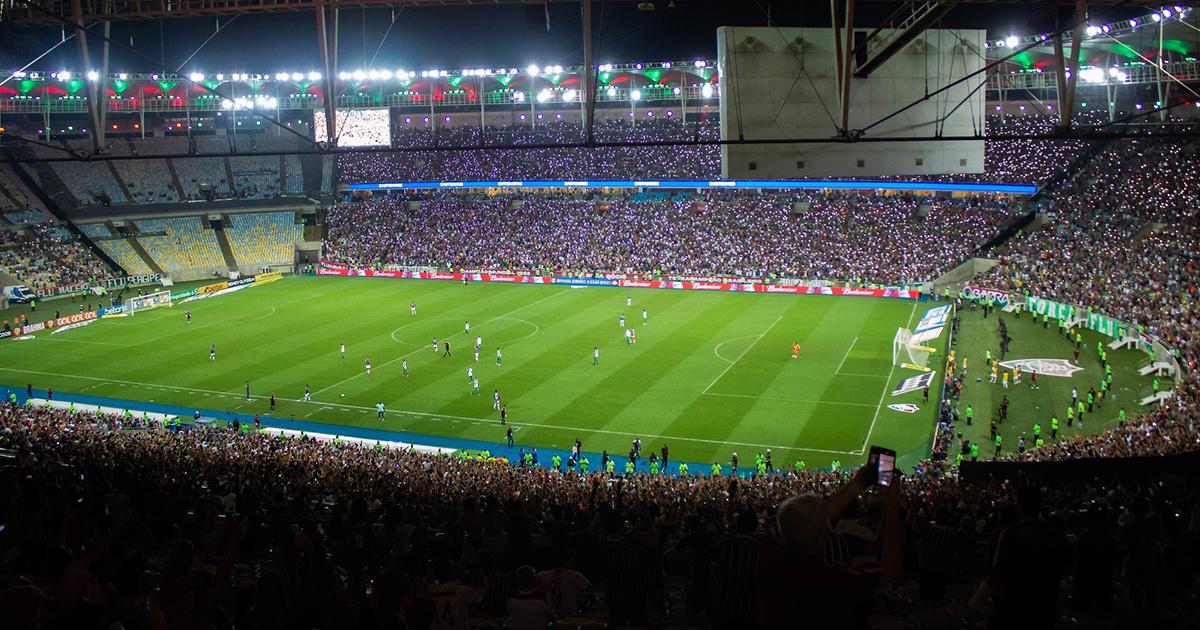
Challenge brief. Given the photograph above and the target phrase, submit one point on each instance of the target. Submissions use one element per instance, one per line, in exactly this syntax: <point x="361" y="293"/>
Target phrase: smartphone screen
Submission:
<point x="883" y="463"/>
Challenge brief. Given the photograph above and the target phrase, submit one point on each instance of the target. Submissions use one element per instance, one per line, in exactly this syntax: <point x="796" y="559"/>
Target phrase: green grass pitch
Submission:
<point x="710" y="373"/>
<point x="1028" y="406"/>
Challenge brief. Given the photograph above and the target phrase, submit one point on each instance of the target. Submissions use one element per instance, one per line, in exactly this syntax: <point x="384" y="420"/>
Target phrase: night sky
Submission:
<point x="467" y="37"/>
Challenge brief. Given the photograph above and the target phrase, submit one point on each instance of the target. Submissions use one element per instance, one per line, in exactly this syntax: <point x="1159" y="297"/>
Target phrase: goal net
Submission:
<point x="154" y="300"/>
<point x="906" y="352"/>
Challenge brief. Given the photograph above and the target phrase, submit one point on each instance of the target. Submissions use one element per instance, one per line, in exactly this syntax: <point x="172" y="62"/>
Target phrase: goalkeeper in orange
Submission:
<point x="795" y="349"/>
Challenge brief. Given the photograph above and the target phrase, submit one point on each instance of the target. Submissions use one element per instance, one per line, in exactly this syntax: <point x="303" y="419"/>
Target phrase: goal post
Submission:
<point x="153" y="300"/>
<point x="899" y="344"/>
<point x="907" y="353"/>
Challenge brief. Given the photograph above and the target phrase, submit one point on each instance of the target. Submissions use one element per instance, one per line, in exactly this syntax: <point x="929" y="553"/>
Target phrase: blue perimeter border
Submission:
<point x="497" y="449"/>
<point x="770" y="184"/>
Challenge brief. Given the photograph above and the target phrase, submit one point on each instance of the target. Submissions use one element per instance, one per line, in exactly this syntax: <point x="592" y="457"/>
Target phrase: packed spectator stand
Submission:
<point x="152" y="527"/>
<point x="860" y="238"/>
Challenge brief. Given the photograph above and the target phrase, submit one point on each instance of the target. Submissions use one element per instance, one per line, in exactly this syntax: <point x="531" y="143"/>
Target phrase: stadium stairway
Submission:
<point x="229" y="175"/>
<point x="175" y="179"/>
<point x="223" y="242"/>
<point x="51" y="206"/>
<point x="131" y="238"/>
<point x="112" y="168"/>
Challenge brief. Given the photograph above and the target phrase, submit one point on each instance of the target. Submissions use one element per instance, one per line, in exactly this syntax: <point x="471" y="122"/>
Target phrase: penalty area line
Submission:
<point x="739" y="357"/>
<point x="886" y="385"/>
<point x="839" y="367"/>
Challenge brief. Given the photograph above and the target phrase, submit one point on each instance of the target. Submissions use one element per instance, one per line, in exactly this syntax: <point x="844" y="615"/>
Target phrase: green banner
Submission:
<point x="175" y="297"/>
<point x="1102" y="324"/>
<point x="1049" y="308"/>
<point x="1106" y="325"/>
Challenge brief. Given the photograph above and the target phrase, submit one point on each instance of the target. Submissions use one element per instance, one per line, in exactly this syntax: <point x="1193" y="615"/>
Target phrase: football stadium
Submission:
<point x="574" y="314"/>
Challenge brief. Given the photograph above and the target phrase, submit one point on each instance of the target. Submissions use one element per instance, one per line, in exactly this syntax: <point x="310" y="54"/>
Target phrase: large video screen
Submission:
<point x="356" y="127"/>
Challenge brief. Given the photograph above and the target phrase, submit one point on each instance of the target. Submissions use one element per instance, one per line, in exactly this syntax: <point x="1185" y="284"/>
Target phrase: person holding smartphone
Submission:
<point x="798" y="589"/>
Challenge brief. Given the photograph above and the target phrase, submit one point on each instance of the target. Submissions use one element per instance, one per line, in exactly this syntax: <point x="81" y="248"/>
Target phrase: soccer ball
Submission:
<point x="343" y="395"/>
<point x="978" y="379"/>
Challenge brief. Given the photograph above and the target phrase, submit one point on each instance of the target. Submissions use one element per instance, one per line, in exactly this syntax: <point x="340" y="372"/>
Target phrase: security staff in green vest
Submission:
<point x="1054" y="428"/>
<point x="683" y="469"/>
<point x="715" y="470"/>
<point x="974" y="451"/>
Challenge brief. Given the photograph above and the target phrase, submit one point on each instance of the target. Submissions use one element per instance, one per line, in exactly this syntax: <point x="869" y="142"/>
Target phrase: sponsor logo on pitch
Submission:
<point x="1044" y="367"/>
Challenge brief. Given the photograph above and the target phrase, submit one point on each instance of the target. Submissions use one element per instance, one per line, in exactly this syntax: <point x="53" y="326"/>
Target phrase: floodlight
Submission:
<point x="1166" y="13"/>
<point x="544" y="96"/>
<point x="92" y="75"/>
<point x="699" y="63"/>
<point x="359" y="75"/>
<point x="676" y="90"/>
<point x="1011" y="41"/>
<point x="314" y="76"/>
<point x="296" y="76"/>
<point x="1156" y="17"/>
<point x="281" y="76"/>
<point x="666" y="64"/>
<point x="122" y="76"/>
<point x="569" y="95"/>
<point x="64" y="75"/>
<point x="636" y="95"/>
<point x="532" y="70"/>
<point x="706" y="90"/>
<point x="612" y="91"/>
<point x="226" y="104"/>
<point x="196" y="77"/>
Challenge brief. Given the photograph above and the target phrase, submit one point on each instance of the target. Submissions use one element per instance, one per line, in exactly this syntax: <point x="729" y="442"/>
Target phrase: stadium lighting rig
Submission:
<point x="1091" y="31"/>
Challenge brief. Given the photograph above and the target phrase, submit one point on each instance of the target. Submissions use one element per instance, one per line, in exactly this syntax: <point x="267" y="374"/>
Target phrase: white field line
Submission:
<point x="722" y="344"/>
<point x="422" y="349"/>
<point x="798" y="400"/>
<point x="886" y="384"/>
<point x="436" y="416"/>
<point x="739" y="357"/>
<point x="94" y="343"/>
<point x="839" y="367"/>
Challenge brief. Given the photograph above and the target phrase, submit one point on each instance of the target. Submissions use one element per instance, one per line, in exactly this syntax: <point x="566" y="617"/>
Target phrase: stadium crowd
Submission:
<point x="680" y="162"/>
<point x="1123" y="241"/>
<point x="45" y="256"/>
<point x="861" y="238"/>
<point x="108" y="524"/>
